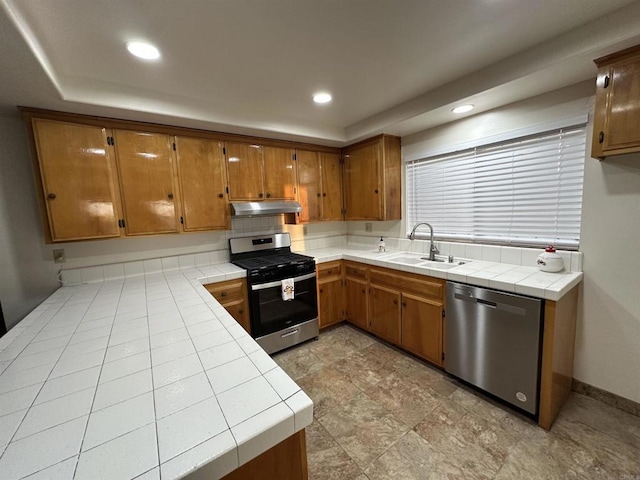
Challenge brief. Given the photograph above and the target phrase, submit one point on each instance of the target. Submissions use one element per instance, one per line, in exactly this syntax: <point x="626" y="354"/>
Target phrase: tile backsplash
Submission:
<point x="472" y="251"/>
<point x="95" y="266"/>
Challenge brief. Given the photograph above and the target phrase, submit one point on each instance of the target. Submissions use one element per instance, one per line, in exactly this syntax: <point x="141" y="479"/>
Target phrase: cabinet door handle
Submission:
<point x="321" y="291"/>
<point x="601" y="137"/>
<point x="395" y="302"/>
<point x="220" y="195"/>
<point x="324" y="194"/>
<point x="268" y="195"/>
<point x="170" y="196"/>
<point x="51" y="196"/>
<point x="241" y="311"/>
<point x="363" y="290"/>
<point x="224" y="294"/>
<point x="606" y="81"/>
<point x="330" y="271"/>
<point x="319" y="194"/>
<point x="260" y="195"/>
<point x="404" y="304"/>
<point x="376" y="190"/>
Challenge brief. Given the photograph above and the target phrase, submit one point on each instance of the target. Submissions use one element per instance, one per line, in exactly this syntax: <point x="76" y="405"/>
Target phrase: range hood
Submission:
<point x="254" y="209"/>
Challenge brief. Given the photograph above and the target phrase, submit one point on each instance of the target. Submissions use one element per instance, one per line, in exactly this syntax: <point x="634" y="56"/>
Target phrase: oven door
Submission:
<point x="270" y="313"/>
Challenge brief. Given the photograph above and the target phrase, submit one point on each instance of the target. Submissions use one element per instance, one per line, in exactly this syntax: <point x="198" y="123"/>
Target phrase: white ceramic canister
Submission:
<point x="550" y="261"/>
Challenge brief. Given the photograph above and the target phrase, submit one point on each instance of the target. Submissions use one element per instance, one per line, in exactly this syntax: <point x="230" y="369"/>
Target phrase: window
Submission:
<point x="522" y="192"/>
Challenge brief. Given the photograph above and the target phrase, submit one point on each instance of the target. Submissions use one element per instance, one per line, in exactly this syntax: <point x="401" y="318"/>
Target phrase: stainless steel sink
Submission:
<point x="419" y="260"/>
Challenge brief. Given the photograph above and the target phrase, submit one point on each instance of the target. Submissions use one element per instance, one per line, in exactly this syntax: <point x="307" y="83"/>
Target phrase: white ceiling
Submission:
<point x="251" y="66"/>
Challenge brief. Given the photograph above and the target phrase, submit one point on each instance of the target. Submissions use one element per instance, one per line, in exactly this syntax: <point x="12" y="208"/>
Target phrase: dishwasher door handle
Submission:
<point x="486" y="303"/>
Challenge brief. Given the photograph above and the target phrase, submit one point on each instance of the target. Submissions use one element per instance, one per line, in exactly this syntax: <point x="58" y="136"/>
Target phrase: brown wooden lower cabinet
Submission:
<point x="384" y="313"/>
<point x="285" y="461"/>
<point x="357" y="301"/>
<point x="330" y="293"/>
<point x="232" y="295"/>
<point x="422" y="324"/>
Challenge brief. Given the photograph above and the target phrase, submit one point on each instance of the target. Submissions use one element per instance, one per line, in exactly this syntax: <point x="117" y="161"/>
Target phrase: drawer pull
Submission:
<point x="330" y="271"/>
<point x="224" y="294"/>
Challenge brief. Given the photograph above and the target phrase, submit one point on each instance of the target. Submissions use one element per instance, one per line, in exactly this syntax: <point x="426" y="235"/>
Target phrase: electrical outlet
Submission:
<point x="58" y="256"/>
<point x="305" y="230"/>
<point x="368" y="227"/>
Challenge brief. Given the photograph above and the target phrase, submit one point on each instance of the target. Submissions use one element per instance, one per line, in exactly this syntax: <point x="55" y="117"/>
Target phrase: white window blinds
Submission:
<point x="524" y="192"/>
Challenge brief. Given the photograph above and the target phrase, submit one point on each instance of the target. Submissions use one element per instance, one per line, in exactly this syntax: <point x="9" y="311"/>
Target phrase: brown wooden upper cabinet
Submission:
<point x="372" y="173"/>
<point x="616" y="122"/>
<point x="244" y="170"/>
<point x="319" y="186"/>
<point x="201" y="172"/>
<point x="279" y="173"/>
<point x="79" y="180"/>
<point x="260" y="173"/>
<point x="147" y="182"/>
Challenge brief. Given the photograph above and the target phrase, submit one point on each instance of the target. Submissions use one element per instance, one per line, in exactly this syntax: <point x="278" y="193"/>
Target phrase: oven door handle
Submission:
<point x="278" y="283"/>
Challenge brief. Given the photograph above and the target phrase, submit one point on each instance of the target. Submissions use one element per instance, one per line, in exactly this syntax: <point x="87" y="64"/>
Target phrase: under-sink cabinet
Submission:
<point x="408" y="310"/>
<point x="232" y="295"/>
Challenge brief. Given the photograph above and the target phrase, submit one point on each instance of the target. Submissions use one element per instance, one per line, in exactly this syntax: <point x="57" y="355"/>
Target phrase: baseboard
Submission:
<point x="609" y="398"/>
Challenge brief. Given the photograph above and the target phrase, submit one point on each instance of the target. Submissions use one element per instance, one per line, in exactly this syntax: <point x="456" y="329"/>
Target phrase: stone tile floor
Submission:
<point x="380" y="413"/>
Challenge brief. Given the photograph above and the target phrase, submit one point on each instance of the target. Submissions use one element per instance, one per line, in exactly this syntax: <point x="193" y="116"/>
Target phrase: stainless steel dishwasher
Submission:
<point x="493" y="341"/>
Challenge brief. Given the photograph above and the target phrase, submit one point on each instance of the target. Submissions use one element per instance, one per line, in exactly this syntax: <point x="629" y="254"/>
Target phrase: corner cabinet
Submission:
<point x="372" y="178"/>
<point x="616" y="123"/>
<point x="232" y="295"/>
<point x="79" y="180"/>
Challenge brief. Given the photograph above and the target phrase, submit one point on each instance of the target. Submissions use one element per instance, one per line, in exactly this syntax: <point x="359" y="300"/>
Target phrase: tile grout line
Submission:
<point x="50" y="371"/>
<point x="84" y="433"/>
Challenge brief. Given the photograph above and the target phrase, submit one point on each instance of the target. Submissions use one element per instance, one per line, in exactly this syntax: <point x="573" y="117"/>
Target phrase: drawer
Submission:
<point x="225" y="291"/>
<point x="409" y="282"/>
<point x="329" y="269"/>
<point x="356" y="270"/>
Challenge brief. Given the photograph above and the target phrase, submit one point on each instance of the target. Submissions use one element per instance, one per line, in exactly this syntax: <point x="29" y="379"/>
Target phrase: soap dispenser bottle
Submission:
<point x="381" y="245"/>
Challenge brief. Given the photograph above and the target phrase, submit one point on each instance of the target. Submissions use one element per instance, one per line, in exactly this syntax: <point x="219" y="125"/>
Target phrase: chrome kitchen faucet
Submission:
<point x="432" y="248"/>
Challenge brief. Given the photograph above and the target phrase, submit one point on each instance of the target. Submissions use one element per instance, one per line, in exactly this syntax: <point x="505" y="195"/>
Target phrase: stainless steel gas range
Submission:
<point x="278" y="320"/>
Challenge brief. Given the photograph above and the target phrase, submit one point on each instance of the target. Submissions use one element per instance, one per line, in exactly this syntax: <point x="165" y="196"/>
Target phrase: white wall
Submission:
<point x="608" y="331"/>
<point x="27" y="271"/>
<point x="608" y="337"/>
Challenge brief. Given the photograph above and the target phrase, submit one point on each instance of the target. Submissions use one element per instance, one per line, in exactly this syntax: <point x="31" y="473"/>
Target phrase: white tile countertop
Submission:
<point x="140" y="377"/>
<point x="140" y="363"/>
<point x="525" y="280"/>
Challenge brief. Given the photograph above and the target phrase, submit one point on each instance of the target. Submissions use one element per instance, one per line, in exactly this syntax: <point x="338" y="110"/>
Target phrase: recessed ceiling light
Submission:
<point x="143" y="50"/>
<point x="322" y="97"/>
<point x="463" y="109"/>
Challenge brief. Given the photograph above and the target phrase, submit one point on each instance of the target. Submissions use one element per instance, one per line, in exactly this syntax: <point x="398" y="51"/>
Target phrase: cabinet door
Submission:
<point x="309" y="186"/>
<point x="79" y="180"/>
<point x="385" y="313"/>
<point x="244" y="171"/>
<point x="362" y="183"/>
<point x="356" y="302"/>
<point x="331" y="187"/>
<point x="238" y="310"/>
<point x="279" y="174"/>
<point x="202" y="184"/>
<point x="330" y="303"/>
<point x="145" y="164"/>
<point x="622" y="123"/>
<point x="422" y="327"/>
